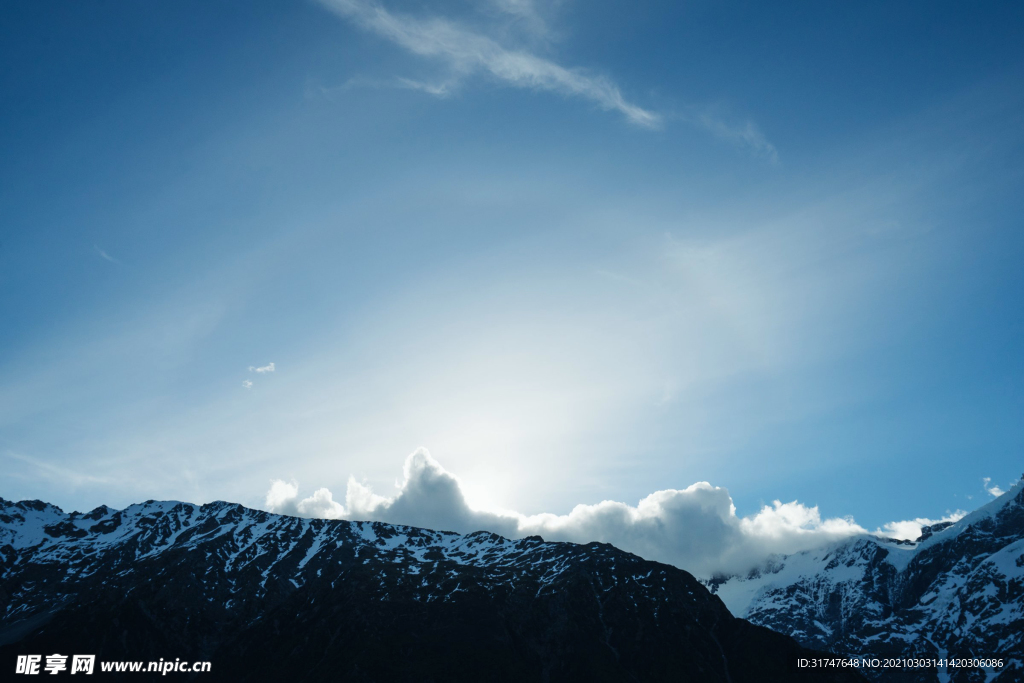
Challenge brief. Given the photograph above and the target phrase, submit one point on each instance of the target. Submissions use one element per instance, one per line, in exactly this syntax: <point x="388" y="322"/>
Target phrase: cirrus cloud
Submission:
<point x="466" y="52"/>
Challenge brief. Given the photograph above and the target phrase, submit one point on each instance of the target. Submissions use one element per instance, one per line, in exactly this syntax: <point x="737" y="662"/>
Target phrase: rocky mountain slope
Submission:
<point x="958" y="591"/>
<point x="266" y="597"/>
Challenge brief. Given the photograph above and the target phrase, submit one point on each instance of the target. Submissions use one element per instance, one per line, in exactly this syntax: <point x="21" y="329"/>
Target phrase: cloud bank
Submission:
<point x="695" y="528"/>
<point x="466" y="53"/>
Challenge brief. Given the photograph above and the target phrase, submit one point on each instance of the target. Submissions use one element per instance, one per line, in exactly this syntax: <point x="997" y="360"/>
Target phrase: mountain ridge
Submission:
<point x="267" y="596"/>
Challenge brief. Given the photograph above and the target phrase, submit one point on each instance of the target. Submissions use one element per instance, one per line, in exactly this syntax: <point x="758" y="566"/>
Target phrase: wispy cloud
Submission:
<point x="525" y="13"/>
<point x="436" y="89"/>
<point x="745" y="133"/>
<point x="517" y="8"/>
<point x="992" y="490"/>
<point x="53" y="472"/>
<point x="466" y="52"/>
<point x="442" y="89"/>
<point x="246" y="384"/>
<point x="104" y="255"/>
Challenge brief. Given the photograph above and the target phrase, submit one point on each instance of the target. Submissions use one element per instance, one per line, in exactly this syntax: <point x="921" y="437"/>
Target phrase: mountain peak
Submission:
<point x="958" y="589"/>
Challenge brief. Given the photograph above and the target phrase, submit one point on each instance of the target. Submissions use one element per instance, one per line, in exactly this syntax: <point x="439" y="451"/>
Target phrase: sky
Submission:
<point x="544" y="255"/>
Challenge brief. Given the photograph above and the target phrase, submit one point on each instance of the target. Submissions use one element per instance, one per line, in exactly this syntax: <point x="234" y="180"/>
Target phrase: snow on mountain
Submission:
<point x="958" y="591"/>
<point x="273" y="597"/>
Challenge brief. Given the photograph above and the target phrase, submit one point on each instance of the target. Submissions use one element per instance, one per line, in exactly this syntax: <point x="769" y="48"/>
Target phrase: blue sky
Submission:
<point x="580" y="251"/>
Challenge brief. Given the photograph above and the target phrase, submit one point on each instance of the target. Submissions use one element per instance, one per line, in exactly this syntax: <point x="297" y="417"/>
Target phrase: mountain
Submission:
<point x="268" y="597"/>
<point x="958" y="591"/>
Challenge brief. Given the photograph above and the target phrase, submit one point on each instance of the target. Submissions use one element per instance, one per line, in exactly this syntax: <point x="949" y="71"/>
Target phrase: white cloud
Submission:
<point x="910" y="530"/>
<point x="994" y="489"/>
<point x="269" y="367"/>
<point x="321" y="504"/>
<point x="246" y="384"/>
<point x="466" y="52"/>
<point x="283" y="498"/>
<point x="695" y="528"/>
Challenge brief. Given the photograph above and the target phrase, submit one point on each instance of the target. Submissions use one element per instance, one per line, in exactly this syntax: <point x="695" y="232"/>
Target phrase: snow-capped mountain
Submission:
<point x="271" y="597"/>
<point x="958" y="591"/>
